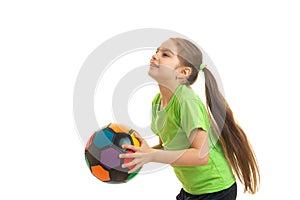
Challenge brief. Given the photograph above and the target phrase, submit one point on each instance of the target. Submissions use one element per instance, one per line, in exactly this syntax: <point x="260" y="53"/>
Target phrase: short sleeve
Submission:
<point x="193" y="115"/>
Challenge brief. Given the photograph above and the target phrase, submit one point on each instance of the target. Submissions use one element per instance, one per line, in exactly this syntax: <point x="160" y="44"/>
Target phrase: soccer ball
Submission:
<point x="102" y="153"/>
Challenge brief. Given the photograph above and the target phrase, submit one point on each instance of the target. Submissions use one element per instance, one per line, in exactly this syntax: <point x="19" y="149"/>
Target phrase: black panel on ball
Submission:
<point x="91" y="159"/>
<point x="122" y="138"/>
<point x="118" y="174"/>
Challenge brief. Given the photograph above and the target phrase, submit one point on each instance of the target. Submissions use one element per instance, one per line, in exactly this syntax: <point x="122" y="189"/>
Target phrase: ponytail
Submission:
<point x="232" y="138"/>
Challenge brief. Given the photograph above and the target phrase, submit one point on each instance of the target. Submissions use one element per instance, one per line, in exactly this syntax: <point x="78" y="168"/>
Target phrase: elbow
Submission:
<point x="204" y="159"/>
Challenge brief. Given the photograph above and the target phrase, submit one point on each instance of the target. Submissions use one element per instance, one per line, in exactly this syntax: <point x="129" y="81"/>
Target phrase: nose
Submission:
<point x="154" y="57"/>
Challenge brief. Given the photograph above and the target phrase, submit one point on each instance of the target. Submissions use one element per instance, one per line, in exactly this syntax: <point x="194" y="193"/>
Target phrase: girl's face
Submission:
<point x="164" y="64"/>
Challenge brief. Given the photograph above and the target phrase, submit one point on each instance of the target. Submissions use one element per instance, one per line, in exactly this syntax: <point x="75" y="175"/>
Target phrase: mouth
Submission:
<point x="153" y="65"/>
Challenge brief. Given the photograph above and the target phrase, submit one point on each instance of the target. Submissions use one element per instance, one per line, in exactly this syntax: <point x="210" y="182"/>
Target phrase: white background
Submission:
<point x="254" y="45"/>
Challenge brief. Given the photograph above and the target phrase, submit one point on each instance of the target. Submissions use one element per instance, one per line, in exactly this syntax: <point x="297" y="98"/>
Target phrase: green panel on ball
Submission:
<point x="86" y="160"/>
<point x="133" y="174"/>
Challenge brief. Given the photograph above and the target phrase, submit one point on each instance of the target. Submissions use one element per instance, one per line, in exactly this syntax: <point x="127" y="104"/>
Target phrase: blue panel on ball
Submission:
<point x="103" y="138"/>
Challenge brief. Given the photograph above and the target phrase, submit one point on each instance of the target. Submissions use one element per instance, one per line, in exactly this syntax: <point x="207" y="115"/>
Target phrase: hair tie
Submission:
<point x="202" y="67"/>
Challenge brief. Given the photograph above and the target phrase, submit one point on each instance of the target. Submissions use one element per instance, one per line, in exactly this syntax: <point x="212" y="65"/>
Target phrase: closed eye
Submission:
<point x="164" y="52"/>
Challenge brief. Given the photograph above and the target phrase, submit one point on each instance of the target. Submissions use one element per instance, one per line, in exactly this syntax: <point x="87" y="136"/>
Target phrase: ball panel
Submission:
<point x="118" y="174"/>
<point x="90" y="141"/>
<point x="100" y="173"/>
<point x="110" y="157"/>
<point x="122" y="138"/>
<point x="95" y="153"/>
<point x="135" y="140"/>
<point x="87" y="162"/>
<point x="132" y="175"/>
<point x="128" y="160"/>
<point x="92" y="158"/>
<point x="117" y="128"/>
<point x="103" y="138"/>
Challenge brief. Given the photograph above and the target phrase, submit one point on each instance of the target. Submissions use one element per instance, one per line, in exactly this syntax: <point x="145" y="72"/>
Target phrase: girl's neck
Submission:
<point x="166" y="94"/>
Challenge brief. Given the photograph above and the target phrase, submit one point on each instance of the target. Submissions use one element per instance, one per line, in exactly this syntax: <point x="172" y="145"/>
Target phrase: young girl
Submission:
<point x="205" y="146"/>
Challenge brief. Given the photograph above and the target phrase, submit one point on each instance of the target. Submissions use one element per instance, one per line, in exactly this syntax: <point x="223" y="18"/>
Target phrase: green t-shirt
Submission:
<point x="173" y="125"/>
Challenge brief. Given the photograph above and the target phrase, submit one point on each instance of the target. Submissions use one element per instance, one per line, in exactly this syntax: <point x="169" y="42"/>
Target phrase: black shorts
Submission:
<point x="227" y="194"/>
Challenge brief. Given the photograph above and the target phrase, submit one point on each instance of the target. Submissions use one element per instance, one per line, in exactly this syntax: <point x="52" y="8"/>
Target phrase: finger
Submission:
<point x="128" y="146"/>
<point x="141" y="140"/>
<point x="128" y="155"/>
<point x="132" y="163"/>
<point x="135" y="168"/>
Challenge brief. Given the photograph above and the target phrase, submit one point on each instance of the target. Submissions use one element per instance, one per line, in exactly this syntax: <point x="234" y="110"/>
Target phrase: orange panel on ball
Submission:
<point x="100" y="173"/>
<point x="119" y="128"/>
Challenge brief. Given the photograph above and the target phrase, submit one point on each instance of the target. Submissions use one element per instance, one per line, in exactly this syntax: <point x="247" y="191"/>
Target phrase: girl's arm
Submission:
<point x="197" y="155"/>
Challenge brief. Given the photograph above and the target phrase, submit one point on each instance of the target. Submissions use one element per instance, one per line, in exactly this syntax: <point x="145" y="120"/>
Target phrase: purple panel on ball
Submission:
<point x="110" y="157"/>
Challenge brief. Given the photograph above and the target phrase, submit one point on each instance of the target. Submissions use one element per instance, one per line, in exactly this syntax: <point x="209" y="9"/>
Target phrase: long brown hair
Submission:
<point x="232" y="138"/>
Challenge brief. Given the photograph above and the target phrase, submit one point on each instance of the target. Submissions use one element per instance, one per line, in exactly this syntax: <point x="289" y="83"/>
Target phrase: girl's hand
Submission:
<point x="142" y="155"/>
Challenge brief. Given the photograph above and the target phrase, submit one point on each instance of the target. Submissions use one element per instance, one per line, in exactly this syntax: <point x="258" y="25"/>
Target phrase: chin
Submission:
<point x="152" y="76"/>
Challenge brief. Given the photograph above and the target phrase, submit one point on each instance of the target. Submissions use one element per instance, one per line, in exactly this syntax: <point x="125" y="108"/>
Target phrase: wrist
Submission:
<point x="153" y="155"/>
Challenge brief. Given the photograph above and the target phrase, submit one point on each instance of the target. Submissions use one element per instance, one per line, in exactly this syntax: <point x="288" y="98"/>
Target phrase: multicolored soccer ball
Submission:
<point x="102" y="153"/>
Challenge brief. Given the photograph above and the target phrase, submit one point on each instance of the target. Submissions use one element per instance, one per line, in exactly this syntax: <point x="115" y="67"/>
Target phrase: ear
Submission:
<point x="185" y="71"/>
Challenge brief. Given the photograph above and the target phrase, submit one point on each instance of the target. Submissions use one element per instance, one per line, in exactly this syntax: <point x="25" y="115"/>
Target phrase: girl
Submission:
<point x="205" y="146"/>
